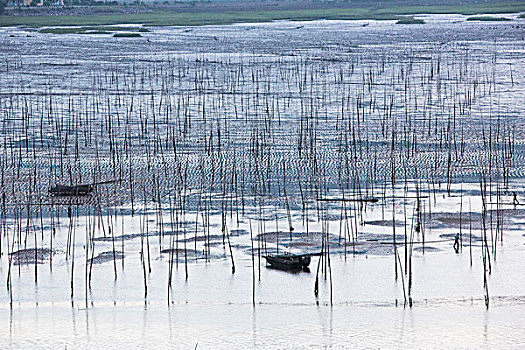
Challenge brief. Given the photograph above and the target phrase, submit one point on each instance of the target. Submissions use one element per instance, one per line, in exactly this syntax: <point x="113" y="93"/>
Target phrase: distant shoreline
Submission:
<point x="219" y="14"/>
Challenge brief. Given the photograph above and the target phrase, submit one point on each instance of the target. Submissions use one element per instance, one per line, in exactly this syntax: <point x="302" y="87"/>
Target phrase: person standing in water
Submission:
<point x="515" y="200"/>
<point x="456" y="243"/>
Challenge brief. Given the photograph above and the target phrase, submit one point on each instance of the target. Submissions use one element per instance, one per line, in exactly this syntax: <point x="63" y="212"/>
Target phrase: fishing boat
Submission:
<point x="288" y="261"/>
<point x="76" y="190"/>
<point x="64" y="190"/>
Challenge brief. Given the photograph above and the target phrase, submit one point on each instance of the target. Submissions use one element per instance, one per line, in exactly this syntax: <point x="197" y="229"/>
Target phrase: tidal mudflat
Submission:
<point x="369" y="143"/>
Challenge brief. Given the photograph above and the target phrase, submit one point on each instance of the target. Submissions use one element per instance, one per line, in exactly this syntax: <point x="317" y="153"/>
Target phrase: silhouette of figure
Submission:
<point x="456" y="243"/>
<point x="515" y="200"/>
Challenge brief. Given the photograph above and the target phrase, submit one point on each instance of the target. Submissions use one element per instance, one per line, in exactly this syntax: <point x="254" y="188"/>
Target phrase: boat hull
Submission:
<point x="288" y="262"/>
<point x="80" y="190"/>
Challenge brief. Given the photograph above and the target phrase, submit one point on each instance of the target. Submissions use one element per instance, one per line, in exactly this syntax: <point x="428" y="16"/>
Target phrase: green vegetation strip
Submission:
<point x="410" y="20"/>
<point x="208" y="18"/>
<point x="87" y="30"/>
<point x="487" y="19"/>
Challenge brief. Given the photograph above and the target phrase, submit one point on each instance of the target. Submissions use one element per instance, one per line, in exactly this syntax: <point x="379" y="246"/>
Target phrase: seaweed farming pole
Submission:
<point x="92" y="228"/>
<point x="230" y="248"/>
<point x="144" y="219"/>
<point x="484" y="247"/>
<point x="393" y="183"/>
<point x="327" y="232"/>
<point x="171" y="248"/>
<point x="111" y="230"/>
<point x="51" y="235"/>
<point x="9" y="281"/>
<point x="411" y="242"/>
<point x="29" y="219"/>
<point x="319" y="264"/>
<point x="86" y="262"/>
<point x="420" y="212"/>
<point x="405" y="223"/>
<point x="3" y="220"/>
<point x="260" y="242"/>
<point x="253" y="264"/>
<point x="396" y="256"/>
<point x="73" y="227"/>
<point x="470" y="229"/>
<point x="122" y="240"/>
<point x="460" y="218"/>
<point x="494" y="242"/>
<point x="394" y="236"/>
<point x="183" y="225"/>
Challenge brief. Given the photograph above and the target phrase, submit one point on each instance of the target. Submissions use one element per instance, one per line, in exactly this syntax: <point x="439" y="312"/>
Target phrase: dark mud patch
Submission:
<point x="238" y="232"/>
<point x="381" y="237"/>
<point x="453" y="220"/>
<point x="373" y="249"/>
<point x="299" y="217"/>
<point x="117" y="238"/>
<point x="465" y="237"/>
<point x="202" y="238"/>
<point x="35" y="143"/>
<point x="241" y="246"/>
<point x="186" y="223"/>
<point x="304" y="242"/>
<point x="273" y="217"/>
<point x="333" y="217"/>
<point x="387" y="223"/>
<point x="313" y="239"/>
<point x="106" y="257"/>
<point x="131" y="236"/>
<point x="472" y="220"/>
<point x="216" y="244"/>
<point x="311" y="243"/>
<point x="180" y="255"/>
<point x="426" y="249"/>
<point x="513" y="218"/>
<point x="364" y="248"/>
<point x="31" y="256"/>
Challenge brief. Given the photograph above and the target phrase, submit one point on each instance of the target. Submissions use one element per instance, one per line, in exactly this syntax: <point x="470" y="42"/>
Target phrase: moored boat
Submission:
<point x="288" y="261"/>
<point x="78" y="190"/>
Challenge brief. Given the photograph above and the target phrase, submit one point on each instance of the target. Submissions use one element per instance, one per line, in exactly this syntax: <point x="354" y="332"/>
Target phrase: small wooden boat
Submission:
<point x="78" y="190"/>
<point x="288" y="261"/>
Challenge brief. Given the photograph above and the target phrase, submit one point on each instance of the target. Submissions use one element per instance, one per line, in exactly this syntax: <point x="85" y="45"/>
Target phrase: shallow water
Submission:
<point x="285" y="327"/>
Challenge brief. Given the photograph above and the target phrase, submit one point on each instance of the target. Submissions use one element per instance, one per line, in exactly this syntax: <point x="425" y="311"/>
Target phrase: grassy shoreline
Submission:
<point x="487" y="19"/>
<point x="166" y="18"/>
